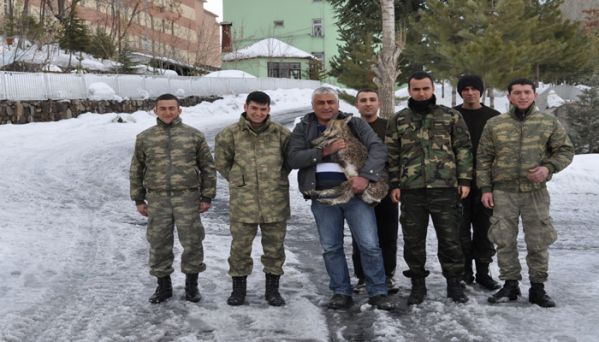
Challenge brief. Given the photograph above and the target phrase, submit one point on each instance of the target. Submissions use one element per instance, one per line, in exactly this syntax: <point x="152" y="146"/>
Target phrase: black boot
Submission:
<point x="271" y="293"/>
<point x="483" y="277"/>
<point x="468" y="277"/>
<point x="510" y="290"/>
<point x="418" y="291"/>
<point x="537" y="295"/>
<point x="455" y="291"/>
<point x="192" y="293"/>
<point x="164" y="290"/>
<point x="238" y="295"/>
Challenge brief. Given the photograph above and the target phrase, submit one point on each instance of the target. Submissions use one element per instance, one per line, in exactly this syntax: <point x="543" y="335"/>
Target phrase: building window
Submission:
<point x="284" y="70"/>
<point x="317" y="30"/>
<point x="279" y="23"/>
<point x="319" y="55"/>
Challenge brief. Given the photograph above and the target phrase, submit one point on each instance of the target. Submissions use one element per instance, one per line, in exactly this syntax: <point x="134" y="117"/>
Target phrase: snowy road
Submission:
<point x="73" y="257"/>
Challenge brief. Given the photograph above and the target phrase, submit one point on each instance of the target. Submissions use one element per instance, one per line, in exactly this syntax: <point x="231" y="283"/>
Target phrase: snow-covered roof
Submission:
<point x="269" y="47"/>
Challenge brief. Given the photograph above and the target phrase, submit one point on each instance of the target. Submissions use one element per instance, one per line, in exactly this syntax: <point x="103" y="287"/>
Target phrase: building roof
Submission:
<point x="269" y="47"/>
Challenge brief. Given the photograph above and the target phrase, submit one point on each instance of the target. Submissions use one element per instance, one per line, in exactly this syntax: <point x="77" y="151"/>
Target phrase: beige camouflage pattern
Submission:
<point x="508" y="148"/>
<point x="273" y="236"/>
<point x="171" y="157"/>
<point x="428" y="151"/>
<point x="253" y="162"/>
<point x="539" y="234"/>
<point x="165" y="210"/>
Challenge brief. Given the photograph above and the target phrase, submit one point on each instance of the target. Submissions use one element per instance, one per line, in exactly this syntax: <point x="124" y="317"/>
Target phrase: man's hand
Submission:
<point x="142" y="209"/>
<point x="538" y="174"/>
<point x="487" y="200"/>
<point x="395" y="195"/>
<point x="333" y="147"/>
<point x="463" y="191"/>
<point x="204" y="206"/>
<point x="358" y="184"/>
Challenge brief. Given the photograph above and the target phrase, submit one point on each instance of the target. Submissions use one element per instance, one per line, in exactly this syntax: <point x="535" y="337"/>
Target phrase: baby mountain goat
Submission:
<point x="351" y="159"/>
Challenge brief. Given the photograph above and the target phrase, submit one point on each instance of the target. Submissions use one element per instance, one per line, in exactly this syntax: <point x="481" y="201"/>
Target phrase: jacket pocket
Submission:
<point x="236" y="177"/>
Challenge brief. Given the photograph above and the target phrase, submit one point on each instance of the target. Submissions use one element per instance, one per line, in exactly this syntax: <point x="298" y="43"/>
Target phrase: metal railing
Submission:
<point x="21" y="86"/>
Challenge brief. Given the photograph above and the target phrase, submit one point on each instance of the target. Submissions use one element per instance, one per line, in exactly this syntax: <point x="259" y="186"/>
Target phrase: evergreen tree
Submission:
<point x="74" y="35"/>
<point x="102" y="45"/>
<point x="499" y="40"/>
<point x="583" y="121"/>
<point x="360" y="28"/>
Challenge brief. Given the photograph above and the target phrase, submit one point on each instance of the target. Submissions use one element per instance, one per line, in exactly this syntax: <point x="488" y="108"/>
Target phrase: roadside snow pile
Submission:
<point x="101" y="91"/>
<point x="554" y="100"/>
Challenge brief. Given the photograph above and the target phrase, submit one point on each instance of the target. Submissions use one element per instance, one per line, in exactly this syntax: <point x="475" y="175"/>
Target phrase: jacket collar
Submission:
<point x="175" y="122"/>
<point x="246" y="125"/>
<point x="527" y="113"/>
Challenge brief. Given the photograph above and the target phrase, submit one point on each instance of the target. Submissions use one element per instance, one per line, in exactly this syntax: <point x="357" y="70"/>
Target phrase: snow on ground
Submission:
<point x="229" y="74"/>
<point x="73" y="254"/>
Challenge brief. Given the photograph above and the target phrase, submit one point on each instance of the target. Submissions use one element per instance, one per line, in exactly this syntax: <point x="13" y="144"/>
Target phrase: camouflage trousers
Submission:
<point x="444" y="208"/>
<point x="539" y="234"/>
<point x="165" y="211"/>
<point x="243" y="234"/>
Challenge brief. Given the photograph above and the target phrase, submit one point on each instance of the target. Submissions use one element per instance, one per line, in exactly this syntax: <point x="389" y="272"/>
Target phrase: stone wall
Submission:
<point x="21" y="112"/>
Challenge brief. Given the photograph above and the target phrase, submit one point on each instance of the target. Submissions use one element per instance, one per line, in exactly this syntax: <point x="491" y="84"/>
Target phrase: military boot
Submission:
<point x="192" y="293"/>
<point x="510" y="290"/>
<point x="418" y="291"/>
<point x="455" y="291"/>
<point x="237" y="297"/>
<point x="468" y="277"/>
<point x="537" y="295"/>
<point x="271" y="293"/>
<point x="164" y="290"/>
<point x="483" y="277"/>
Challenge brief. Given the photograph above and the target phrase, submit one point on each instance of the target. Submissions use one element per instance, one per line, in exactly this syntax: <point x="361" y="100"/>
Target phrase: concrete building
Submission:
<point x="308" y="25"/>
<point x="176" y="34"/>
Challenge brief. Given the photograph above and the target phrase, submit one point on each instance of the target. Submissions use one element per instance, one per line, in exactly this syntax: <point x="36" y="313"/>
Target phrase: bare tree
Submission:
<point x="386" y="70"/>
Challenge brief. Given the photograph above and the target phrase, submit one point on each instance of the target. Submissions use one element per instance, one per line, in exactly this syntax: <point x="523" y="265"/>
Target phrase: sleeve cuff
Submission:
<point x="486" y="189"/>
<point x="464" y="182"/>
<point x="206" y="200"/>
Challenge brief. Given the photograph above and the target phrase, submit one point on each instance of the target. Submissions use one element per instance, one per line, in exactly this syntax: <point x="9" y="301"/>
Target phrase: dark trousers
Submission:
<point x="475" y="243"/>
<point x="443" y="206"/>
<point x="387" y="214"/>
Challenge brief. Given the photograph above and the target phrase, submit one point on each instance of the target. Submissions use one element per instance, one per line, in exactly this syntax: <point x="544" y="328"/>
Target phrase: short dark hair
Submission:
<point x="167" y="97"/>
<point x="366" y="90"/>
<point x="420" y="75"/>
<point x="258" y="97"/>
<point x="521" y="81"/>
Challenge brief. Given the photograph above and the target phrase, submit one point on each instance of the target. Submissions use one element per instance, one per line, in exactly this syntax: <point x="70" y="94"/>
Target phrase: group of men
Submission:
<point x="467" y="168"/>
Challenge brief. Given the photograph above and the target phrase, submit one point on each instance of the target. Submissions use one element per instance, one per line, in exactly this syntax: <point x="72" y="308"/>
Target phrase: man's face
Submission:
<point x="522" y="96"/>
<point x="325" y="106"/>
<point x="367" y="104"/>
<point x="256" y="113"/>
<point x="471" y="95"/>
<point x="421" y="90"/>
<point x="167" y="110"/>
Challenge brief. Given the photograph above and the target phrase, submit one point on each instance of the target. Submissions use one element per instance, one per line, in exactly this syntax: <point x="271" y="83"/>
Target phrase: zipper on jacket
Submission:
<point x="170" y="159"/>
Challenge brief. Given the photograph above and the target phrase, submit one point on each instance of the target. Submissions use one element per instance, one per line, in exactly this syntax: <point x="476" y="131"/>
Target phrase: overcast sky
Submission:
<point x="215" y="6"/>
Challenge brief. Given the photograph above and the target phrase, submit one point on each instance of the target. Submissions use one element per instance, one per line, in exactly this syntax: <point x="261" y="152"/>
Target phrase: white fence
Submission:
<point x="19" y="86"/>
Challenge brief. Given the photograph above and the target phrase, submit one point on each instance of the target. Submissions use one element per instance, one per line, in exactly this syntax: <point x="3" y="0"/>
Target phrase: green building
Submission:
<point x="308" y="25"/>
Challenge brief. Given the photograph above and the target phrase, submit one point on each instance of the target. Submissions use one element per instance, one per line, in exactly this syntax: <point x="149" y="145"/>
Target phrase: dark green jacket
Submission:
<point x="509" y="147"/>
<point x="430" y="150"/>
<point x="253" y="162"/>
<point x="172" y="157"/>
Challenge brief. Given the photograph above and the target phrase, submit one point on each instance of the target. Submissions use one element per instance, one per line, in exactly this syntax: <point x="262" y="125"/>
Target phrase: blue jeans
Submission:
<point x="362" y="223"/>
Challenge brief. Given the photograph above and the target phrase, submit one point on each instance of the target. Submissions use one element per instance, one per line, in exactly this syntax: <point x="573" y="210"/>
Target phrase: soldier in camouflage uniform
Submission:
<point x="517" y="154"/>
<point x="250" y="155"/>
<point x="173" y="180"/>
<point x="430" y="170"/>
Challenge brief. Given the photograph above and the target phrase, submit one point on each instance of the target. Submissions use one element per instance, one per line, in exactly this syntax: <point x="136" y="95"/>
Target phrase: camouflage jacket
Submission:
<point x="509" y="147"/>
<point x="253" y="162"/>
<point x="172" y="158"/>
<point x="430" y="150"/>
<point x="303" y="156"/>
